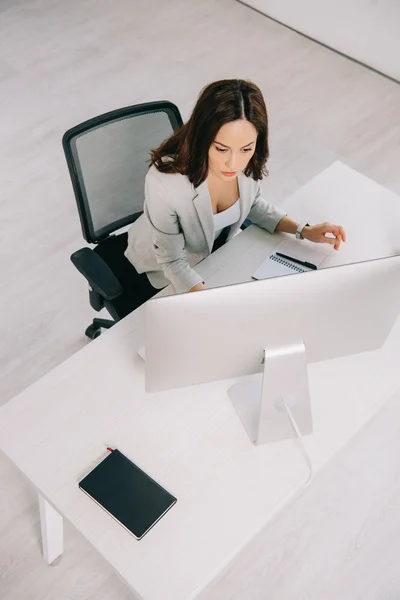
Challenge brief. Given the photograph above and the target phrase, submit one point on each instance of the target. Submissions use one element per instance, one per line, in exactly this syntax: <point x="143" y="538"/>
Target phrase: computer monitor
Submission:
<point x="275" y="325"/>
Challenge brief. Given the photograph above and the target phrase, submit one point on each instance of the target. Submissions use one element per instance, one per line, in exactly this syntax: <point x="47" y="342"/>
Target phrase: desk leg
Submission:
<point x="51" y="523"/>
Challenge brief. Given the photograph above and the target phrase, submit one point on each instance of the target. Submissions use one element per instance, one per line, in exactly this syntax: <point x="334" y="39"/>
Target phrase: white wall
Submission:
<point x="367" y="30"/>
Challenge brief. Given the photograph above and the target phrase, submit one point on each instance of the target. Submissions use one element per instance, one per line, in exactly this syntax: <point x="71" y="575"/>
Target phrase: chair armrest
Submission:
<point x="97" y="272"/>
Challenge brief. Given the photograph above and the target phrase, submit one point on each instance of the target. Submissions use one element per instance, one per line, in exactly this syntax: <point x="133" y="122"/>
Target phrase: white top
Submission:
<point x="226" y="217"/>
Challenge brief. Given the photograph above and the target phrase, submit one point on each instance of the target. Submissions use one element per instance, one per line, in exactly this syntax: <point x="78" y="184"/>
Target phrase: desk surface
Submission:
<point x="191" y="440"/>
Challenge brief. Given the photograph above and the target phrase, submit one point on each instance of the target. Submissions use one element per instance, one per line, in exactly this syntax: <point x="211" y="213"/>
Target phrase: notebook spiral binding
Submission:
<point x="282" y="261"/>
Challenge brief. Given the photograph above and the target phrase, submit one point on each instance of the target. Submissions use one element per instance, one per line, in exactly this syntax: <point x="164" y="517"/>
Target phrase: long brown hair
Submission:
<point x="219" y="103"/>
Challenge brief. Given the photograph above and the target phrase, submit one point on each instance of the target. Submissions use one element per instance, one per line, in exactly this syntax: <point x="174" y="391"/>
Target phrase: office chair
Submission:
<point x="107" y="158"/>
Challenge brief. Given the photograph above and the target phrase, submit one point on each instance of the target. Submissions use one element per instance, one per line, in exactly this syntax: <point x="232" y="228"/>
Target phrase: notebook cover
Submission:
<point x="127" y="493"/>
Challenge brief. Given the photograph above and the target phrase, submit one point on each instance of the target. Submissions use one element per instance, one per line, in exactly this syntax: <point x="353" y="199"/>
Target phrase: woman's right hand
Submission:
<point x="198" y="287"/>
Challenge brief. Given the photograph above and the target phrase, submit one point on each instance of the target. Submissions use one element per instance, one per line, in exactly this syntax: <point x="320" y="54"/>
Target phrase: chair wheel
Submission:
<point x="93" y="332"/>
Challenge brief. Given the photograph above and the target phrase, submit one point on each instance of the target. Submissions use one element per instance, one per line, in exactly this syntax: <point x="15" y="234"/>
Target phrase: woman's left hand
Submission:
<point x="318" y="234"/>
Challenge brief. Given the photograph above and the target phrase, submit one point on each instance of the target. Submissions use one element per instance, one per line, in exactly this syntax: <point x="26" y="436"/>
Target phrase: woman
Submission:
<point x="203" y="183"/>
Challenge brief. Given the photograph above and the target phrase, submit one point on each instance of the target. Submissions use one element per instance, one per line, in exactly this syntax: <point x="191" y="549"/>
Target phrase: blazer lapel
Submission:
<point x="202" y="204"/>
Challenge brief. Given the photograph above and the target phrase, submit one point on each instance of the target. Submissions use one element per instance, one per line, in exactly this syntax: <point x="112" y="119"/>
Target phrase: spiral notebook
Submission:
<point x="275" y="266"/>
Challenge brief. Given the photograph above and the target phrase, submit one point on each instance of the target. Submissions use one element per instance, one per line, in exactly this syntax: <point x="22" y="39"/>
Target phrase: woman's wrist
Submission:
<point x="306" y="231"/>
<point x="287" y="225"/>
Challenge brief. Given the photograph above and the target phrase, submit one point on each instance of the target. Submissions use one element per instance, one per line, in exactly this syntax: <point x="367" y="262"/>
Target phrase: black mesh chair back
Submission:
<point x="107" y="158"/>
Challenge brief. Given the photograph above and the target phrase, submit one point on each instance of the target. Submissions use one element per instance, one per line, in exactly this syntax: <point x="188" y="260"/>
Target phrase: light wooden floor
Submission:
<point x="63" y="62"/>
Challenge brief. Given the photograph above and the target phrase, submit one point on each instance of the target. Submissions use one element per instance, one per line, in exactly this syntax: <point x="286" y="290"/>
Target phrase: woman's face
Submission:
<point x="233" y="147"/>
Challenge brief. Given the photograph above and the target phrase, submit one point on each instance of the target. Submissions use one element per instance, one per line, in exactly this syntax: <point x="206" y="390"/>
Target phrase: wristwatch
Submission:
<point x="299" y="230"/>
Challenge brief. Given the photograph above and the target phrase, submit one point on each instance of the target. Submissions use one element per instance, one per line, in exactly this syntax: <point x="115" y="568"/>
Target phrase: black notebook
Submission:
<point x="127" y="493"/>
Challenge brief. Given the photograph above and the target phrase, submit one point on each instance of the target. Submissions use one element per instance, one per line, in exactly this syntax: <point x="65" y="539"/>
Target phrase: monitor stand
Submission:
<point x="260" y="403"/>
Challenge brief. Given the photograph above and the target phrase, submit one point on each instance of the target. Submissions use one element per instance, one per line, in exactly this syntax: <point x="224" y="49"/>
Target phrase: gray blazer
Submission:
<point x="176" y="230"/>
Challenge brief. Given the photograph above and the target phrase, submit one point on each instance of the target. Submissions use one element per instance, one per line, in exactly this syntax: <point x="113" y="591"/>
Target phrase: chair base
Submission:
<point x="94" y="330"/>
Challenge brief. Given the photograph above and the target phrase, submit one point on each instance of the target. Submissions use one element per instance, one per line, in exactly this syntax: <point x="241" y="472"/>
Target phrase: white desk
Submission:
<point x="191" y="440"/>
